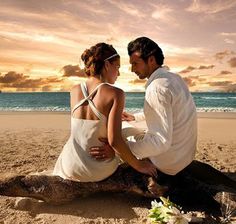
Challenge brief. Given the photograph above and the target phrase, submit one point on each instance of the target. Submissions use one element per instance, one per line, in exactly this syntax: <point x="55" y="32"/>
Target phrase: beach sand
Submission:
<point x="31" y="142"/>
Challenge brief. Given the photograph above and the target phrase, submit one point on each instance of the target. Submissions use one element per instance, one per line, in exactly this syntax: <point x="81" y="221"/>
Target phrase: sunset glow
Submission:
<point x="41" y="41"/>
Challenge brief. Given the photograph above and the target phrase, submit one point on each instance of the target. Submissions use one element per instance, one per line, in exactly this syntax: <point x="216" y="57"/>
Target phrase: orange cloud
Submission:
<point x="231" y="88"/>
<point x="194" y="80"/>
<point x="188" y="69"/>
<point x="73" y="70"/>
<point x="225" y="86"/>
<point x="220" y="83"/>
<point x="232" y="62"/>
<point x="208" y="7"/>
<point x="223" y="54"/>
<point x="206" y="67"/>
<point x="21" y="81"/>
<point x="191" y="68"/>
<point x="189" y="81"/>
<point x="197" y="78"/>
<point x="12" y="77"/>
<point x="47" y="88"/>
<point x="224" y="72"/>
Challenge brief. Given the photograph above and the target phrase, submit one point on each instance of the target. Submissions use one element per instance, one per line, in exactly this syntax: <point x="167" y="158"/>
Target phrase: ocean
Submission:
<point x="59" y="101"/>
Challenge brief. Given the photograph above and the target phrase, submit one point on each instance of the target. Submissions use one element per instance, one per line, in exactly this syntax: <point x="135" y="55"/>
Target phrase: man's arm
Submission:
<point x="159" y="118"/>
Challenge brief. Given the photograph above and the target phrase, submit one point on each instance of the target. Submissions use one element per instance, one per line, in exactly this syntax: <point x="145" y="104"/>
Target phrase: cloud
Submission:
<point x="13" y="79"/>
<point x="231" y="88"/>
<point x="221" y="55"/>
<point x="31" y="33"/>
<point x="128" y="8"/>
<point x="225" y="86"/>
<point x="229" y="37"/>
<point x="232" y="62"/>
<point x="189" y="81"/>
<point x="220" y="83"/>
<point x="197" y="78"/>
<point x="201" y="67"/>
<point x="163" y="13"/>
<point x="188" y="69"/>
<point x="206" y="67"/>
<point x="52" y="80"/>
<point x="193" y="80"/>
<point x="35" y="7"/>
<point x="211" y="7"/>
<point x="37" y="24"/>
<point x="174" y="50"/>
<point x="229" y="41"/>
<point x="67" y="7"/>
<point x="224" y="72"/>
<point x="228" y="34"/>
<point x="47" y="88"/>
<point x="73" y="70"/>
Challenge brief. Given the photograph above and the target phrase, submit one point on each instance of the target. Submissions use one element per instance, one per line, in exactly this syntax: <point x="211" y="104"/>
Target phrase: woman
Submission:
<point x="96" y="110"/>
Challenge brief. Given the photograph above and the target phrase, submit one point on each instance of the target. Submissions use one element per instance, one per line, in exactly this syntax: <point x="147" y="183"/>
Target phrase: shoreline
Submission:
<point x="212" y="126"/>
<point x="215" y="114"/>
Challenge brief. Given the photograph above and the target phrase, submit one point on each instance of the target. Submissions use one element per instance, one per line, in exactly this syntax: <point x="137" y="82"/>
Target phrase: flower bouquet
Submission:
<point x="166" y="212"/>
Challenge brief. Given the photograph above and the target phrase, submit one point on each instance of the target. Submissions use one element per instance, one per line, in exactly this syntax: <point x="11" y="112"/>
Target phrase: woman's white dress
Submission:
<point x="75" y="161"/>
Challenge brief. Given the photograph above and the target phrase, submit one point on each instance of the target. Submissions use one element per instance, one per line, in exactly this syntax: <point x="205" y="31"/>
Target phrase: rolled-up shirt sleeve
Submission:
<point x="159" y="119"/>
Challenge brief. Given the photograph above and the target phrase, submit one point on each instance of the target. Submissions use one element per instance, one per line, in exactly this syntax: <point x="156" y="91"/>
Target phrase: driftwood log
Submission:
<point x="197" y="185"/>
<point x="56" y="190"/>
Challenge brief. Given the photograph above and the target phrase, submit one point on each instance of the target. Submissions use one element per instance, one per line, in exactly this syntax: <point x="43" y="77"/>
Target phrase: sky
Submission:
<point x="41" y="41"/>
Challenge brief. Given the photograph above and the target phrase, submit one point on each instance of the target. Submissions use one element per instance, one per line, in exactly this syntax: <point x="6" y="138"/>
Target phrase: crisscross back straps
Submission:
<point x="88" y="98"/>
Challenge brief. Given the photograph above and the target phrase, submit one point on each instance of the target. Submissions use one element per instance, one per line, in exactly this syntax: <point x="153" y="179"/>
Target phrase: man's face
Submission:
<point x="139" y="66"/>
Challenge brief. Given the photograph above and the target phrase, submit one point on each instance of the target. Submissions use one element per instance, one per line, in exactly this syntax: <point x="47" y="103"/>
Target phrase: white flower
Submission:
<point x="156" y="204"/>
<point x="166" y="212"/>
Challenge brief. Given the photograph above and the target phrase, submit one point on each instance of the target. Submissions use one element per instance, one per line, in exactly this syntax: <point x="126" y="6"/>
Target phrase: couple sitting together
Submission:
<point x="98" y="143"/>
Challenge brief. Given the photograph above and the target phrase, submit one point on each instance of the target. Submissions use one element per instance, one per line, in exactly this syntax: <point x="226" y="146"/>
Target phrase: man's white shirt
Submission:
<point x="170" y="114"/>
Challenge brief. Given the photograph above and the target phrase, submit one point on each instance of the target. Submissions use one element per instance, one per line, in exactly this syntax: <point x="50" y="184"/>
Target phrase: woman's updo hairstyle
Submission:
<point x="95" y="57"/>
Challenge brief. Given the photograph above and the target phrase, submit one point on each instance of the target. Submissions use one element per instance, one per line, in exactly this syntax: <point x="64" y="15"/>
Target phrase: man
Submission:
<point x="169" y="111"/>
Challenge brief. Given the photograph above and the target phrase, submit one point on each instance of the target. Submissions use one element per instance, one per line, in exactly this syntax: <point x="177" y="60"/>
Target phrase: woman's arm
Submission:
<point x="115" y="138"/>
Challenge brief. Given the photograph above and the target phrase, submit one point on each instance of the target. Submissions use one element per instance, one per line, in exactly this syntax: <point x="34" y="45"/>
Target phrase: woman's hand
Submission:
<point x="103" y="152"/>
<point x="127" y="117"/>
<point x="146" y="167"/>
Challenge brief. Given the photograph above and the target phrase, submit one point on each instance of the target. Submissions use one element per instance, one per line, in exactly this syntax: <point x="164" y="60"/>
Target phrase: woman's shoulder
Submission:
<point x="106" y="88"/>
<point x="76" y="91"/>
<point x="75" y="87"/>
<point x="110" y="89"/>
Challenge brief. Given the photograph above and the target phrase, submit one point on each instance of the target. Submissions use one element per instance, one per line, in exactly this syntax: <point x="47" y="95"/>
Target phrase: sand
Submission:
<point x="31" y="142"/>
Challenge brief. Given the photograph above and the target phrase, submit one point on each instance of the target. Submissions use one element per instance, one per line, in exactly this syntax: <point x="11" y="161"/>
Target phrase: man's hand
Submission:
<point x="103" y="152"/>
<point x="127" y="117"/>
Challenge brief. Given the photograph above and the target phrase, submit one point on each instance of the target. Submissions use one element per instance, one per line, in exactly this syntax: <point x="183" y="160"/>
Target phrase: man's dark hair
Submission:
<point x="146" y="47"/>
